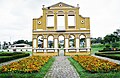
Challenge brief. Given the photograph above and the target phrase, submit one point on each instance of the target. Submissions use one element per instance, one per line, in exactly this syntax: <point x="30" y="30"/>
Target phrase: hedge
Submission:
<point x="109" y="56"/>
<point x="9" y="54"/>
<point x="109" y="50"/>
<point x="5" y="59"/>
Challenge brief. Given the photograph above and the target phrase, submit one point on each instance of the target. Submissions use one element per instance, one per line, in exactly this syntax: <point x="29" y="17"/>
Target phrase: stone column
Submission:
<point x="34" y="45"/>
<point x="66" y="42"/>
<point x="56" y="44"/>
<point x="45" y="43"/>
<point x="77" y="42"/>
<point x="88" y="43"/>
<point x="36" y="42"/>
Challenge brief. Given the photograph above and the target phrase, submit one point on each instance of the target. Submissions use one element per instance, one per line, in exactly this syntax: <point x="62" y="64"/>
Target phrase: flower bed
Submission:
<point x="94" y="65"/>
<point x="28" y="65"/>
<point x="11" y="56"/>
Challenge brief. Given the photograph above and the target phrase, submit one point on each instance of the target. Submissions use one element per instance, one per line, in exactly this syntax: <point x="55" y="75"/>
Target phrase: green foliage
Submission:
<point x="12" y="56"/>
<point x="23" y="41"/>
<point x="115" y="45"/>
<point x="97" y="46"/>
<point x="111" y="38"/>
<point x="107" y="46"/>
<point x="9" y="54"/>
<point x="110" y="55"/>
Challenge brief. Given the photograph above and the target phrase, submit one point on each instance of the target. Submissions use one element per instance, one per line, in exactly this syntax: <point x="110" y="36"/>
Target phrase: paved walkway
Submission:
<point x="62" y="68"/>
<point x="109" y="59"/>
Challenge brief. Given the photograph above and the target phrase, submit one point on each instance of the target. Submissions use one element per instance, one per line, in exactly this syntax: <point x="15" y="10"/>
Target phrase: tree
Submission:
<point x="115" y="33"/>
<point x="23" y="41"/>
<point x="118" y="31"/>
<point x="30" y="43"/>
<point x="99" y="39"/>
<point x="5" y="45"/>
<point x="111" y="38"/>
<point x="93" y="40"/>
<point x="115" y="45"/>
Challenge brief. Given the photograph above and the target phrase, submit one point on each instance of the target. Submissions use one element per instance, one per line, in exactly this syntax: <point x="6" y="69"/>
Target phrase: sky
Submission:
<point x="16" y="16"/>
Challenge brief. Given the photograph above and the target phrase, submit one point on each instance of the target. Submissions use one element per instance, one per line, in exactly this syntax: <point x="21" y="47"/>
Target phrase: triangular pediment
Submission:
<point x="61" y="4"/>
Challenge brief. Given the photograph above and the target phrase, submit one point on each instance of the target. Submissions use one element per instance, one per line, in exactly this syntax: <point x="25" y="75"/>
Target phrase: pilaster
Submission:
<point x="66" y="20"/>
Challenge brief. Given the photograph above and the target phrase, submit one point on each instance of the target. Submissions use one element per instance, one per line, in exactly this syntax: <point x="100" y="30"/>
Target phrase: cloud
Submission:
<point x="16" y="16"/>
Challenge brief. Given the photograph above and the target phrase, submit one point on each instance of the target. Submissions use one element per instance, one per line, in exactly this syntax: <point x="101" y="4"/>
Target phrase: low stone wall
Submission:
<point x="77" y="53"/>
<point x="57" y="53"/>
<point x="46" y="53"/>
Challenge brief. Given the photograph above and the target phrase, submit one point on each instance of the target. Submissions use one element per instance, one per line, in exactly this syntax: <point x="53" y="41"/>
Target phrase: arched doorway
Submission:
<point x="61" y="41"/>
<point x="71" y="41"/>
<point x="40" y="41"/>
<point x="82" y="41"/>
<point x="61" y="45"/>
<point x="50" y="42"/>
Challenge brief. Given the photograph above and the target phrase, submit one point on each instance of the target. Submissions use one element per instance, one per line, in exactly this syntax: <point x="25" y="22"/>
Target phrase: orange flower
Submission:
<point x="30" y="64"/>
<point x="94" y="64"/>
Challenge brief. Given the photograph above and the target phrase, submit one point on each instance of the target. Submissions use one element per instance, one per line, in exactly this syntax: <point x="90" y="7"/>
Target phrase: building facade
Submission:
<point x="19" y="48"/>
<point x="61" y="31"/>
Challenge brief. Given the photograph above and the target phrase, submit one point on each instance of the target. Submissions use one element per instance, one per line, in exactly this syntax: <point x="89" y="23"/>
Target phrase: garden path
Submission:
<point x="109" y="59"/>
<point x="62" y="68"/>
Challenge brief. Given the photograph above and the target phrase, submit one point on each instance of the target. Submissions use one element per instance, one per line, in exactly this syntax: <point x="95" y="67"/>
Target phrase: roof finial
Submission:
<point x="43" y="6"/>
<point x="77" y="5"/>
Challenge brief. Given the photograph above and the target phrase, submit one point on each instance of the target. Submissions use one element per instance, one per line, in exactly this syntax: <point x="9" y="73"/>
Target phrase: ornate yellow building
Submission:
<point x="61" y="31"/>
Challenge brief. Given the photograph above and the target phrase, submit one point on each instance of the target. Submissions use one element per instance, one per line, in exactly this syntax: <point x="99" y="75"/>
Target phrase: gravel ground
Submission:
<point x="62" y="68"/>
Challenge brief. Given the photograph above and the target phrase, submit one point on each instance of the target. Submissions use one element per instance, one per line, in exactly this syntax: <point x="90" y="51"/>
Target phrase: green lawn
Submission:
<point x="96" y="48"/>
<point x="114" y="54"/>
<point x="85" y="74"/>
<point x="3" y="56"/>
<point x="39" y="74"/>
<point x="30" y="52"/>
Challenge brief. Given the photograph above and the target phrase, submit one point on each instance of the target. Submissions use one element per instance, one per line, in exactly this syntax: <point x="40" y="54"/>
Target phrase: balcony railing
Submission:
<point x="58" y="49"/>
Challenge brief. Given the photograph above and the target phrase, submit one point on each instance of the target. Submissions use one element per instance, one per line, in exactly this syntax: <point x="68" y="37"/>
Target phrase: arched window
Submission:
<point x="61" y="41"/>
<point x="50" y="12"/>
<point x="71" y="41"/>
<point x="82" y="41"/>
<point x="50" y="19"/>
<point x="71" y="18"/>
<point x="60" y="20"/>
<point x="40" y="42"/>
<point x="50" y="42"/>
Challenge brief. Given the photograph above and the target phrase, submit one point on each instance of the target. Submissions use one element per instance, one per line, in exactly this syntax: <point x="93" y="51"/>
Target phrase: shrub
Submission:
<point x="9" y="54"/>
<point x="16" y="56"/>
<point x="109" y="56"/>
<point x="115" y="45"/>
<point x="107" y="46"/>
